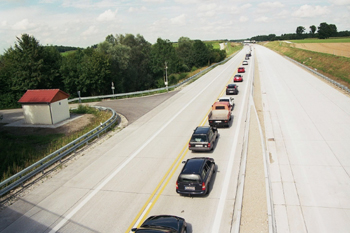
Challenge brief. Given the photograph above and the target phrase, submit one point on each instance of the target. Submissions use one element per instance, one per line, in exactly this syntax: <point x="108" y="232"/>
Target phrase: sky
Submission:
<point x="83" y="23"/>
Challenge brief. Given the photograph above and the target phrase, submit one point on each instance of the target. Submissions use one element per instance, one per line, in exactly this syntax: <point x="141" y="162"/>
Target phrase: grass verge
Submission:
<point x="334" y="67"/>
<point x="19" y="151"/>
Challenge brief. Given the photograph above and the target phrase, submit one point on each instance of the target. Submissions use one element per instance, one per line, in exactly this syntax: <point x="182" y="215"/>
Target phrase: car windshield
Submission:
<point x="189" y="178"/>
<point x="199" y="138"/>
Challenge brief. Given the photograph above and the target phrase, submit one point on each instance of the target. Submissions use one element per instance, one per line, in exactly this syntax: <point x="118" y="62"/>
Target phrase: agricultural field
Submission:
<point x="332" y="66"/>
<point x="338" y="47"/>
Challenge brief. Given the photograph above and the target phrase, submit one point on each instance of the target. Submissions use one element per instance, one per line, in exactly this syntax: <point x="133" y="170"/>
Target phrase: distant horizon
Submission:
<point x="84" y="24"/>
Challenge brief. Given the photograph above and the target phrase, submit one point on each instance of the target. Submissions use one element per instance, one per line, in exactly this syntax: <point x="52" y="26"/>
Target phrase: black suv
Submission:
<point x="232" y="89"/>
<point x="163" y="223"/>
<point x="203" y="138"/>
<point x="195" y="176"/>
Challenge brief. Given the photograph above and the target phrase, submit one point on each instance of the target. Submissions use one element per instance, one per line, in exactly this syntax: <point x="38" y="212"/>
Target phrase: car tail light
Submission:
<point x="208" y="144"/>
<point x="189" y="144"/>
<point x="210" y="121"/>
<point x="226" y="121"/>
<point x="203" y="186"/>
<point x="177" y="187"/>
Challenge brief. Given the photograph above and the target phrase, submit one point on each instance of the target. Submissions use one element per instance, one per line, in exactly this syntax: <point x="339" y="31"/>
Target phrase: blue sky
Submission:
<point x="83" y="23"/>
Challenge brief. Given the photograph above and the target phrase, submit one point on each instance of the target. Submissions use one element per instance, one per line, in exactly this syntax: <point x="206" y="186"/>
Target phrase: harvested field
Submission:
<point x="338" y="49"/>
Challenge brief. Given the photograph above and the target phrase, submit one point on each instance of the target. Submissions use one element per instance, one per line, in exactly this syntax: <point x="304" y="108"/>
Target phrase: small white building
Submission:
<point x="45" y="106"/>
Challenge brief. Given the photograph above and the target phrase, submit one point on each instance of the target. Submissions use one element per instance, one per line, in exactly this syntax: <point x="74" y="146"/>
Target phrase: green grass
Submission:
<point x="232" y="48"/>
<point x="19" y="151"/>
<point x="330" y="40"/>
<point x="334" y="67"/>
<point x="67" y="53"/>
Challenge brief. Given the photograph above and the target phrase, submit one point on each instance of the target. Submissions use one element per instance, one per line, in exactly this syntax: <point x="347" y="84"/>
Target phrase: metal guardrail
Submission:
<point x="321" y="75"/>
<point x="41" y="165"/>
<point x="153" y="90"/>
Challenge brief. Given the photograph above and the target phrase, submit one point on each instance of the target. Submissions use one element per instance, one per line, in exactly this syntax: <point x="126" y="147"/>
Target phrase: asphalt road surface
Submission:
<point x="132" y="175"/>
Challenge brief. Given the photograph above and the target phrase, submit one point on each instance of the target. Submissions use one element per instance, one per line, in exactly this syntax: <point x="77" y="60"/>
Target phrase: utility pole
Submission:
<point x="113" y="88"/>
<point x="166" y="76"/>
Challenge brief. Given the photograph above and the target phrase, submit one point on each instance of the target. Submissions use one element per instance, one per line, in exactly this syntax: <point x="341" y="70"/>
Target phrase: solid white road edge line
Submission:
<point x="220" y="209"/>
<point x="93" y="193"/>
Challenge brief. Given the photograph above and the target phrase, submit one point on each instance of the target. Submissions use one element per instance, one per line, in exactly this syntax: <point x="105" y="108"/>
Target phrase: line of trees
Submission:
<point x="324" y="31"/>
<point x="129" y="61"/>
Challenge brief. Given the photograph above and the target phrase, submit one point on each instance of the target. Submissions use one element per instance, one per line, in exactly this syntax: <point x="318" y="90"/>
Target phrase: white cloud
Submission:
<point x="90" y="31"/>
<point x="3" y="23"/>
<point x="135" y="9"/>
<point x="88" y="4"/>
<point x="23" y="25"/>
<point x="243" y="19"/>
<point x="154" y="1"/>
<point x="108" y="15"/>
<point x="262" y="19"/>
<point x="283" y="14"/>
<point x="246" y="6"/>
<point x="340" y="2"/>
<point x="188" y="1"/>
<point x="269" y="6"/>
<point x="179" y="20"/>
<point x="207" y="7"/>
<point x="208" y="10"/>
<point x="307" y="11"/>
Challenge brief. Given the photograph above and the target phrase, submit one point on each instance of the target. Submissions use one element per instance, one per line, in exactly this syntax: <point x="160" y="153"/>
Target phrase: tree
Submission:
<point x="333" y="30"/>
<point x="300" y="30"/>
<point x="161" y="52"/>
<point x="129" y="61"/>
<point x="30" y="65"/>
<point x="200" y="53"/>
<point x="184" y="51"/>
<point x="326" y="30"/>
<point x="312" y="29"/>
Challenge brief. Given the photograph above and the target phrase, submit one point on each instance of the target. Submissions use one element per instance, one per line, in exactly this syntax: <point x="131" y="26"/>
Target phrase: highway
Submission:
<point x="132" y="175"/>
<point x="307" y="124"/>
<point x="115" y="185"/>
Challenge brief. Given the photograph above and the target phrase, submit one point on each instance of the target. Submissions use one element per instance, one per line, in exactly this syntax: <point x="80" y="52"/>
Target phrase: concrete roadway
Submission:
<point x="106" y="189"/>
<point x="308" y="139"/>
<point x="307" y="128"/>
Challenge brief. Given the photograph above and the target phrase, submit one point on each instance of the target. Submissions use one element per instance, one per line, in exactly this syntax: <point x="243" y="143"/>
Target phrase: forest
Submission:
<point x="129" y="61"/>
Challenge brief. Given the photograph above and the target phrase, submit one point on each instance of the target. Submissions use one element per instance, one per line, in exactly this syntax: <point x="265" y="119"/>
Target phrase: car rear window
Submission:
<point x="223" y="100"/>
<point x="199" y="138"/>
<point x="189" y="178"/>
<point x="232" y="86"/>
<point x="219" y="107"/>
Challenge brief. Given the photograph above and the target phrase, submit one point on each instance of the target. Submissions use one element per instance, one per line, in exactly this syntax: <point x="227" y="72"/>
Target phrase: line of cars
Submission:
<point x="197" y="172"/>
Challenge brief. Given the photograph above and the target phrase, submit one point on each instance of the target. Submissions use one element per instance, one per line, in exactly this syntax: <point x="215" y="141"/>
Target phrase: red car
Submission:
<point x="238" y="78"/>
<point x="241" y="70"/>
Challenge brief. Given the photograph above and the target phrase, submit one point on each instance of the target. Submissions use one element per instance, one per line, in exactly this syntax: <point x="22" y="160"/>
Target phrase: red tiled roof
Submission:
<point x="43" y="96"/>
